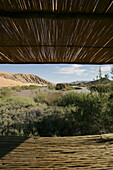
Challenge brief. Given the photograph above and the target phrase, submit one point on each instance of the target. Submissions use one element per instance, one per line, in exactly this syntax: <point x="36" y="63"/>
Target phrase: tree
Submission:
<point x="100" y="73"/>
<point x="97" y="77"/>
<point x="111" y="71"/>
<point x="61" y="86"/>
<point x="112" y="79"/>
<point x="106" y="76"/>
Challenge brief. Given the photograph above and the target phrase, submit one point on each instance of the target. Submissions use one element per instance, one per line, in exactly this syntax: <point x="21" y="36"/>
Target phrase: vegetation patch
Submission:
<point x="77" y="88"/>
<point x="51" y="87"/>
<point x="20" y="101"/>
<point x="58" y="113"/>
<point x="20" y="88"/>
<point x="5" y="92"/>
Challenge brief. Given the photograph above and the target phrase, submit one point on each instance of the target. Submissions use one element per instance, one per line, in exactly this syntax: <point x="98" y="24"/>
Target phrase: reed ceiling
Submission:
<point x="56" y="31"/>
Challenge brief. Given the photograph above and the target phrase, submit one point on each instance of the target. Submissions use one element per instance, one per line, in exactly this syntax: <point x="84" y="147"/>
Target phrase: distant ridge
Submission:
<point x="21" y="79"/>
<point x="76" y="83"/>
<point x="79" y="83"/>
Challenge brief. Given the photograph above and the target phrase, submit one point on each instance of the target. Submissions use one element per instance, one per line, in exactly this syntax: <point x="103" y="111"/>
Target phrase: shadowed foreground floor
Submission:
<point x="81" y="152"/>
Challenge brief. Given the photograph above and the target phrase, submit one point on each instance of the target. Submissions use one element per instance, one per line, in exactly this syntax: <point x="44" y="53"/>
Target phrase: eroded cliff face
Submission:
<point x="12" y="79"/>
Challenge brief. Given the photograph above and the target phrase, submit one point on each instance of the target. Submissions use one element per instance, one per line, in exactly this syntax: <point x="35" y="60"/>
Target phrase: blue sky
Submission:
<point x="58" y="72"/>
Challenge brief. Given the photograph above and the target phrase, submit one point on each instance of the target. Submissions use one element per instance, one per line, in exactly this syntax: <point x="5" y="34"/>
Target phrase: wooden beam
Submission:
<point x="52" y="45"/>
<point x="43" y="62"/>
<point x="56" y="15"/>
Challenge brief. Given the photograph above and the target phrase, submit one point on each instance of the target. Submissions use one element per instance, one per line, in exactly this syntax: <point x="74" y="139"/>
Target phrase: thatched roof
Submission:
<point x="56" y="31"/>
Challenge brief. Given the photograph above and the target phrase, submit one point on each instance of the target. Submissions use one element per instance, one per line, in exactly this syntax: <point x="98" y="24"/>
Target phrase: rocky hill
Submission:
<point x="77" y="83"/>
<point x="14" y="79"/>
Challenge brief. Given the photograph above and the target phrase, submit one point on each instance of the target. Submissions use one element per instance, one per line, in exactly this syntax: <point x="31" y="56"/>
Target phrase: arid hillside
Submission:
<point x="15" y="79"/>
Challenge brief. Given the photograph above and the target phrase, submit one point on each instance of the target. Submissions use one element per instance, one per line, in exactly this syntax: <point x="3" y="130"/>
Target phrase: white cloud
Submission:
<point x="72" y="69"/>
<point x="82" y="71"/>
<point x="93" y="71"/>
<point x="92" y="68"/>
<point x="86" y="74"/>
<point x="106" y="68"/>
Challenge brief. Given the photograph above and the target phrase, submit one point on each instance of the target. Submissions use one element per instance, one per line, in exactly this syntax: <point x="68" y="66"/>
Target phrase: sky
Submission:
<point x="59" y="73"/>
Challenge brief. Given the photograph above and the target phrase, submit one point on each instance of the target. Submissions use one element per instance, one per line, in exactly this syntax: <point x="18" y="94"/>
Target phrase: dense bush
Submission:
<point x="20" y="88"/>
<point x="71" y="88"/>
<point x="66" y="87"/>
<point x="19" y="102"/>
<point x="31" y="87"/>
<point x="18" y="119"/>
<point x="51" y="87"/>
<point x="78" y="88"/>
<point x="50" y="98"/>
<point x="61" y="86"/>
<point x="5" y="92"/>
<point x="100" y="88"/>
<point x="40" y="96"/>
<point x="71" y="98"/>
<point x="57" y="113"/>
<point x="16" y="88"/>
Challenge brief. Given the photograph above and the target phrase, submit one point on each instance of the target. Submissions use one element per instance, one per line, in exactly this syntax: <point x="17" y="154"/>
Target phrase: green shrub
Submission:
<point x="40" y="96"/>
<point x="52" y="123"/>
<point x="30" y="87"/>
<point x="100" y="88"/>
<point x="61" y="86"/>
<point x="64" y="89"/>
<point x="57" y="114"/>
<point x="5" y="92"/>
<point x="77" y="88"/>
<point x="50" y="98"/>
<point x="16" y="88"/>
<point x="51" y="87"/>
<point x="20" y="101"/>
<point x="19" y="122"/>
<point x="70" y="98"/>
